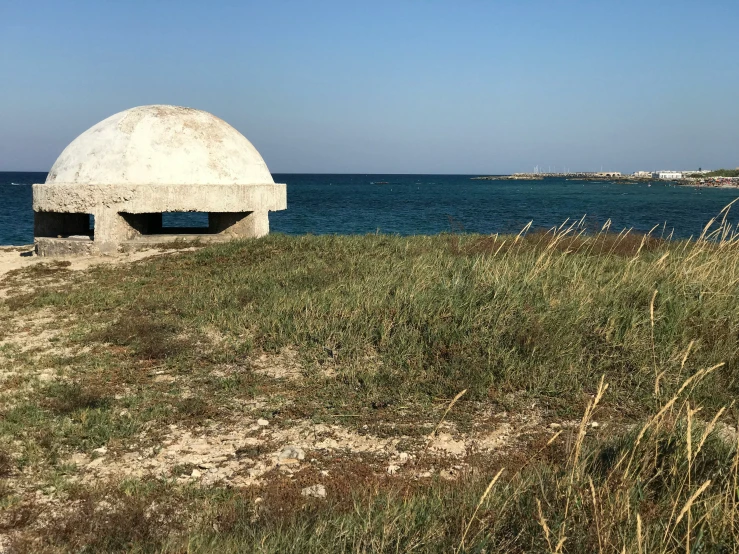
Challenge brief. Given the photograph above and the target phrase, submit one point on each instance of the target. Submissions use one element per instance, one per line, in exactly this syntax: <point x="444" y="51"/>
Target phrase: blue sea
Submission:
<point x="430" y="204"/>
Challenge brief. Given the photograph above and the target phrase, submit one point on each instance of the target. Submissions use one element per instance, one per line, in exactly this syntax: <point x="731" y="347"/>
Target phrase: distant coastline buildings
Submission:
<point x="667" y="175"/>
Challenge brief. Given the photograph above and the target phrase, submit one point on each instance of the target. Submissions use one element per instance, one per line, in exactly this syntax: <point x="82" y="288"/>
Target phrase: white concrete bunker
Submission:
<point x="132" y="167"/>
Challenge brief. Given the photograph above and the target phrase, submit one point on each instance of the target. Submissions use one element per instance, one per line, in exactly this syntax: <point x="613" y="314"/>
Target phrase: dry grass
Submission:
<point x="638" y="332"/>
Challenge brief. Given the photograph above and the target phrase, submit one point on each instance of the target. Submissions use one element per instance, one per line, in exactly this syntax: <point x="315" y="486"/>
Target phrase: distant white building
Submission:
<point x="668" y="175"/>
<point x="643" y="174"/>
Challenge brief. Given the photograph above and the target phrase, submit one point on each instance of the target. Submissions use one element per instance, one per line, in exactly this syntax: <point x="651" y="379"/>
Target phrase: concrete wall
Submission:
<point x="127" y="212"/>
<point x="140" y="199"/>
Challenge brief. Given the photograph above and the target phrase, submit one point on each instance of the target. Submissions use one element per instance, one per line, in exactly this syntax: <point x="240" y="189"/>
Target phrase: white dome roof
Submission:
<point x="159" y="144"/>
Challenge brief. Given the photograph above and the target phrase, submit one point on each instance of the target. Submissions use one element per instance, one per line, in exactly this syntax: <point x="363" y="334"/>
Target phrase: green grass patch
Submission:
<point x="387" y="330"/>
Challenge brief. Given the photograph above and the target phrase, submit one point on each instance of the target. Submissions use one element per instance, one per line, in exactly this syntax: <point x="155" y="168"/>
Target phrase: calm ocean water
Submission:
<point x="429" y="204"/>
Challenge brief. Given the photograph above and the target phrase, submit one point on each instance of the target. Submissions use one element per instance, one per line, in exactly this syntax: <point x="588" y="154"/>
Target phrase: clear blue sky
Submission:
<point x="387" y="86"/>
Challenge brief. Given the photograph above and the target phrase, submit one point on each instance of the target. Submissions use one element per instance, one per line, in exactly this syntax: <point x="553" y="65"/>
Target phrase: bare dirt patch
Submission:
<point x="244" y="451"/>
<point x="283" y="365"/>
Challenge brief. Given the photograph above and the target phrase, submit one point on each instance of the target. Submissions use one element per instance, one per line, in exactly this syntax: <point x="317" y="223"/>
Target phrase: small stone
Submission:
<point x="554" y="425"/>
<point x="291" y="452"/>
<point x="205" y="465"/>
<point x="102" y="451"/>
<point x="78" y="459"/>
<point x="288" y="461"/>
<point x="594" y="424"/>
<point x="403" y="457"/>
<point x="195" y="473"/>
<point x="392" y="469"/>
<point x="314" y="491"/>
<point x="324" y="473"/>
<point x="262" y="422"/>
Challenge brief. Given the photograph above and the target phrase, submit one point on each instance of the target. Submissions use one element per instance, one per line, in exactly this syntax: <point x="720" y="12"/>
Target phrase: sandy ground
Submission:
<point x="21" y="257"/>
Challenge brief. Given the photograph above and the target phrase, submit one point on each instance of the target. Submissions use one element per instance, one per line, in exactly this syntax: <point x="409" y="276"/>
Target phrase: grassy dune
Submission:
<point x="631" y="339"/>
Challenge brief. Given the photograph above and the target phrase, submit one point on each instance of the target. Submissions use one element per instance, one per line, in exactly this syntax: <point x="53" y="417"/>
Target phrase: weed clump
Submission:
<point x="67" y="398"/>
<point x="149" y="338"/>
<point x="195" y="408"/>
<point x="108" y="519"/>
<point x="6" y="464"/>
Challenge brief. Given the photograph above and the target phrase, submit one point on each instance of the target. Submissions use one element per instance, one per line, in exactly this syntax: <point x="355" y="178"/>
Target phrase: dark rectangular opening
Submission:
<point x="63" y="225"/>
<point x="169" y="223"/>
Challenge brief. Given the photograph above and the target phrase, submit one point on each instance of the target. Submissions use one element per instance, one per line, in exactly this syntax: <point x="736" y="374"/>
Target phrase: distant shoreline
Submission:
<point x="711" y="182"/>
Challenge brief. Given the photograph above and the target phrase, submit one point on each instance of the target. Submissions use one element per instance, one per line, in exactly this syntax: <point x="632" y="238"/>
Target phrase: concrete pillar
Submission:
<point x="239" y="224"/>
<point x="111" y="229"/>
<point x="53" y="224"/>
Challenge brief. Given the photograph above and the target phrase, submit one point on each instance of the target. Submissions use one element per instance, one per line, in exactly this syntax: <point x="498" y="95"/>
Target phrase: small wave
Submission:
<point x="19" y="184"/>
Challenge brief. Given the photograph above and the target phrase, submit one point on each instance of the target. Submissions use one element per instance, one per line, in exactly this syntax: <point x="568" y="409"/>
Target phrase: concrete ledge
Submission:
<point x="75" y="198"/>
<point x="20" y="249"/>
<point x="69" y="246"/>
<point x="148" y="242"/>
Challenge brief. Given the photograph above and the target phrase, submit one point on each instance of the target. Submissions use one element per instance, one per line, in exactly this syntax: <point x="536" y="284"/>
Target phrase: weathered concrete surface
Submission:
<point x="70" y="246"/>
<point x="138" y="199"/>
<point x="160" y="145"/>
<point x="137" y="164"/>
<point x="254" y="224"/>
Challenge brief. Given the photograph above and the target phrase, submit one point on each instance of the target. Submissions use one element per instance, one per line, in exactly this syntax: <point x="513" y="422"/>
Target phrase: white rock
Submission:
<point x="403" y="457"/>
<point x="594" y="424"/>
<point x="262" y="422"/>
<point x="294" y="452"/>
<point x="79" y="459"/>
<point x="102" y="451"/>
<point x="195" y="473"/>
<point x="448" y="445"/>
<point x="392" y="469"/>
<point x="314" y="491"/>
